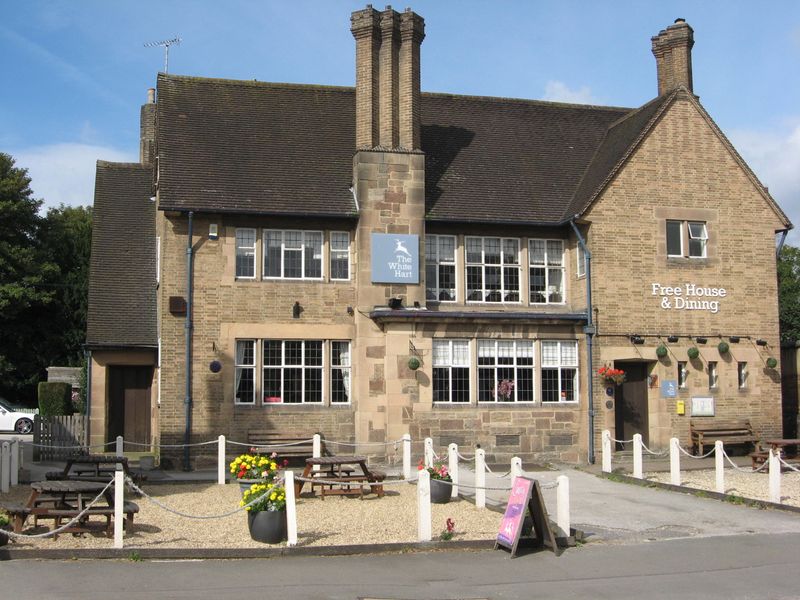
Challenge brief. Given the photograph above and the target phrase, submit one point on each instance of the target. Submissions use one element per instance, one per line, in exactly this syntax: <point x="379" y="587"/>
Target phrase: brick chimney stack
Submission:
<point x="672" y="48"/>
<point x="387" y="77"/>
<point x="147" y="129"/>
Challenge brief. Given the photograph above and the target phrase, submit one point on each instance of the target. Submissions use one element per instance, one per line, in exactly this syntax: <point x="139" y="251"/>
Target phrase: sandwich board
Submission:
<point x="525" y="497"/>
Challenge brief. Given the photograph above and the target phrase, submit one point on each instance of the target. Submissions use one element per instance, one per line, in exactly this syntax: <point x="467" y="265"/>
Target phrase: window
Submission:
<point x="741" y="369"/>
<point x="694" y="232"/>
<point x="340" y="372"/>
<point x="493" y="271"/>
<point x="546" y="258"/>
<point x="580" y="270"/>
<point x="292" y="371"/>
<point x="505" y="371"/>
<point x="559" y="371"/>
<point x="292" y="254"/>
<point x="450" y="371"/>
<point x="340" y="255"/>
<point x="683" y="374"/>
<point x="245" y="372"/>
<point x="440" y="268"/>
<point x="245" y="253"/>
<point x="712" y="374"/>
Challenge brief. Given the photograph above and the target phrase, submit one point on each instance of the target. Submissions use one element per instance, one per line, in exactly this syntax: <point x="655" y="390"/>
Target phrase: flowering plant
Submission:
<point x="4" y="520"/>
<point x="611" y="375"/>
<point x="438" y="471"/>
<point x="267" y="496"/>
<point x="449" y="531"/>
<point x="256" y="466"/>
<point x="505" y="390"/>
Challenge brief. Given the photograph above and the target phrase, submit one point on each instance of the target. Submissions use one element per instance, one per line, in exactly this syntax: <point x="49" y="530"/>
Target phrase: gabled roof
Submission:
<point x="122" y="269"/>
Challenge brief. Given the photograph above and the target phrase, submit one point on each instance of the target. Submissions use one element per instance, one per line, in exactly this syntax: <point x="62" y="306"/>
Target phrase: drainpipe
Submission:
<point x="590" y="331"/>
<point x="88" y="355"/>
<point x="187" y="403"/>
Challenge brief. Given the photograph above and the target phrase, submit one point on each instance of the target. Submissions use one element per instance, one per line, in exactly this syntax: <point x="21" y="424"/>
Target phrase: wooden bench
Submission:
<point x="729" y="431"/>
<point x="298" y="447"/>
<point x="65" y="515"/>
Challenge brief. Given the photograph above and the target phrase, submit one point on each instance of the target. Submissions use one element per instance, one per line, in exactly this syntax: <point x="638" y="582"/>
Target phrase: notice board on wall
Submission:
<point x="525" y="498"/>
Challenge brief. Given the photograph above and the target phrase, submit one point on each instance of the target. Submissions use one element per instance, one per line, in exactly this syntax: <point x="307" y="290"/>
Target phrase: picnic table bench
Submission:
<point x="729" y="431"/>
<point x="286" y="446"/>
<point x="338" y="476"/>
<point x="93" y="467"/>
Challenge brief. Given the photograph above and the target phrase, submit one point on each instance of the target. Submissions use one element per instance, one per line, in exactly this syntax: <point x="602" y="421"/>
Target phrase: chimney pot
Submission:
<point x="151" y="96"/>
<point x="680" y="20"/>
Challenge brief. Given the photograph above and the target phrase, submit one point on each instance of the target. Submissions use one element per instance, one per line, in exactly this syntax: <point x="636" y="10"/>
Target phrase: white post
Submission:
<point x="406" y="456"/>
<point x="5" y="467"/>
<point x="674" y="461"/>
<point x="719" y="466"/>
<point x="316" y="449"/>
<point x="424" y="506"/>
<point x="562" y="504"/>
<point x="120" y="446"/>
<point x="774" y="477"/>
<point x="119" y="504"/>
<point x="221" y="464"/>
<point x="516" y="467"/>
<point x="452" y="467"/>
<point x="14" y="478"/>
<point x="480" y="478"/>
<point x="637" y="455"/>
<point x="606" y="445"/>
<point x="428" y="452"/>
<point x="291" y="509"/>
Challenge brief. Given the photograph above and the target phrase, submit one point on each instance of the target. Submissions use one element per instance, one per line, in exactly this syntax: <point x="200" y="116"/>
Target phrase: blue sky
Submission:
<point x="76" y="71"/>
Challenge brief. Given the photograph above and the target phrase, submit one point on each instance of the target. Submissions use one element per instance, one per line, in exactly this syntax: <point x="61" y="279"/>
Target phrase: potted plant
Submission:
<point x="440" y="491"/>
<point x="505" y="390"/>
<point x="265" y="504"/>
<point x="693" y="352"/>
<point x="3" y="527"/>
<point x="255" y="468"/>
<point x="611" y="375"/>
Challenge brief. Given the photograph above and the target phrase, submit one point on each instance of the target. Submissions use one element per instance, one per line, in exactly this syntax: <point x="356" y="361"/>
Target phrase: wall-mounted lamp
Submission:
<point x="416" y="303"/>
<point x="672" y="339"/>
<point x="395" y="303"/>
<point x="296" y="310"/>
<point x="700" y="340"/>
<point x="350" y="311"/>
<point x="734" y="339"/>
<point x="761" y="342"/>
<point x="637" y="339"/>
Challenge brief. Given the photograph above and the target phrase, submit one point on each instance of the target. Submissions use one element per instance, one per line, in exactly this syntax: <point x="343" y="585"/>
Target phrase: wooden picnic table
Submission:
<point x="338" y="476"/>
<point x="778" y="444"/>
<point x="91" y="467"/>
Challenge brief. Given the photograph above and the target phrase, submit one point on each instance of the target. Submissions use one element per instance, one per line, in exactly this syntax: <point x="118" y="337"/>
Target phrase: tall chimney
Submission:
<point x="147" y="129"/>
<point x="672" y="48"/>
<point x="387" y="77"/>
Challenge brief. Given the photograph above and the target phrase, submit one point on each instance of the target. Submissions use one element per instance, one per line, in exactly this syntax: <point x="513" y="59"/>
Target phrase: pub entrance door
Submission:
<point x="631" y="414"/>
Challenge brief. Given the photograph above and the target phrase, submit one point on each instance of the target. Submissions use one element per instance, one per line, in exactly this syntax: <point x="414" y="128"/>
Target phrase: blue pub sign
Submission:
<point x="395" y="258"/>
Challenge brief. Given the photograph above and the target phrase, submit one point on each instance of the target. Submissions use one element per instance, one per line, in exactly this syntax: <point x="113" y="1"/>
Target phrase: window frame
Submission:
<point x="580" y="270"/>
<point x="449" y="367"/>
<point x="742" y="374"/>
<point x="331" y="252"/>
<point x="439" y="263"/>
<point x="285" y="366"/>
<point x="240" y="366"/>
<point x="238" y="252"/>
<point x="683" y="374"/>
<point x="713" y="375"/>
<point x="686" y="238"/>
<point x="547" y="266"/>
<point x="502" y="266"/>
<point x="347" y="373"/>
<point x="560" y="368"/>
<point x="514" y="366"/>
<point x="303" y="246"/>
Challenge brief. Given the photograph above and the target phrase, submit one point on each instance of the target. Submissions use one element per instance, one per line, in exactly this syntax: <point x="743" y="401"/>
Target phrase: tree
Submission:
<point x="789" y="293"/>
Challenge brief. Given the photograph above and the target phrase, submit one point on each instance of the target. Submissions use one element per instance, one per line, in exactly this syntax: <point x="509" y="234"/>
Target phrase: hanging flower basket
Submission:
<point x="772" y="362"/>
<point x="413" y="363"/>
<point x="723" y="347"/>
<point x="661" y="351"/>
<point x="611" y="375"/>
<point x="693" y="352"/>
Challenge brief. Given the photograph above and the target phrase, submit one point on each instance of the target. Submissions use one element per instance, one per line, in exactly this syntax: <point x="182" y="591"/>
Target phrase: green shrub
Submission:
<point x="55" y="398"/>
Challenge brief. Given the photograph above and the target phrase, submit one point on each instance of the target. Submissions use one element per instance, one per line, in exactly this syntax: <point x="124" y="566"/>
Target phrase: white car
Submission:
<point x="16" y="419"/>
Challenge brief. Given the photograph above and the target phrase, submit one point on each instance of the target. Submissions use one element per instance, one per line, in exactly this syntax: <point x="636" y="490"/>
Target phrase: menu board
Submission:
<point x="525" y="496"/>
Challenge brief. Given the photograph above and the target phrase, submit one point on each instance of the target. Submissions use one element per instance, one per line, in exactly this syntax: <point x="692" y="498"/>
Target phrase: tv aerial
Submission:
<point x="166" y="44"/>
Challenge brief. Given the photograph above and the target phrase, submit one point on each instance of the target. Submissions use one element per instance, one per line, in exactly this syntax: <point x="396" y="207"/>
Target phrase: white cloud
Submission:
<point x="64" y="173"/>
<point x="558" y="91"/>
<point x="775" y="158"/>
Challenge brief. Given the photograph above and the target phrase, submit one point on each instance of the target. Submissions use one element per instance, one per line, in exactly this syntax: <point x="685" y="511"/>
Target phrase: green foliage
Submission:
<point x="693" y="352"/>
<point x="55" y="398"/>
<point x="734" y="499"/>
<point x="83" y="392"/>
<point x="134" y="556"/>
<point x="789" y="293"/>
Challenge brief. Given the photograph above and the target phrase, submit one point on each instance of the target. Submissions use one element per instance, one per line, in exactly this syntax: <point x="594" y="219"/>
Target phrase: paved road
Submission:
<point x="713" y="568"/>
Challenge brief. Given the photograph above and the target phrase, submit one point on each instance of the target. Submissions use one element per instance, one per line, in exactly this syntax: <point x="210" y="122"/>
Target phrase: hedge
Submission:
<point x="55" y="398"/>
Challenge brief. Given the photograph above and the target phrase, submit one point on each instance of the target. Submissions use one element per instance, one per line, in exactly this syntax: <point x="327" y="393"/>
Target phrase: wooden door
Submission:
<point x="631" y="410"/>
<point x="129" y="403"/>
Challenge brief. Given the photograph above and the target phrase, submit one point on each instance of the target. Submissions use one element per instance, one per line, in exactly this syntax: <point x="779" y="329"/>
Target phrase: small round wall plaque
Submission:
<point x="609" y="391"/>
<point x="215" y="366"/>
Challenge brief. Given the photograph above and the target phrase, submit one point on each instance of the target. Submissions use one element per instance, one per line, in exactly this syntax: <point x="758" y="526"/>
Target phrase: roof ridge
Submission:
<point x="526" y="101"/>
<point x="254" y="83"/>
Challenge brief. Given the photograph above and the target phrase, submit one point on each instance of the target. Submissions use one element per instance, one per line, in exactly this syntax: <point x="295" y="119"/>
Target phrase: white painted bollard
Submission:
<point x="480" y="478"/>
<point x="316" y="449"/>
<point x="774" y="477"/>
<point x="452" y="467"/>
<point x="424" y="506"/>
<point x="5" y="467"/>
<point x="719" y="466"/>
<point x="516" y="467"/>
<point x="120" y="451"/>
<point x="221" y="463"/>
<point x="291" y="509"/>
<point x="674" y="461"/>
<point x="14" y="475"/>
<point x="406" y="456"/>
<point x="119" y="504"/>
<point x="562" y="505"/>
<point x="637" y="455"/>
<point x="606" y="449"/>
<point x="428" y="452"/>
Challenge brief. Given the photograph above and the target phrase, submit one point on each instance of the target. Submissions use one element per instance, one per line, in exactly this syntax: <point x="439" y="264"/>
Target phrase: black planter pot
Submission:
<point x="3" y="537"/>
<point x="440" y="491"/>
<point x="267" y="526"/>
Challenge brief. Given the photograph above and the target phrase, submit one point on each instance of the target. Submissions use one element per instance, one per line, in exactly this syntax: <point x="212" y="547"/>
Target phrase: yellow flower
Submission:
<point x="272" y="496"/>
<point x="273" y="466"/>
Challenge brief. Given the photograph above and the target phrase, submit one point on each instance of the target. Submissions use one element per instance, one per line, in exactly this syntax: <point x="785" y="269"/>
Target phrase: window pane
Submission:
<point x="447" y="283"/>
<point x="568" y="378"/>
<point x="536" y="252"/>
<point x="272" y="385"/>
<point x="314" y="353"/>
<point x="474" y="250"/>
<point x="293" y="385"/>
<point x="555" y="252"/>
<point x="538" y="285"/>
<point x="245" y="385"/>
<point x="272" y="352"/>
<point x="245" y="252"/>
<point x="510" y="252"/>
<point x="674" y="245"/>
<point x="550" y="385"/>
<point x="555" y="285"/>
<point x="294" y="353"/>
<point x="441" y="384"/>
<point x="461" y="353"/>
<point x="491" y="251"/>
<point x="460" y="384"/>
<point x="569" y="353"/>
<point x="550" y="354"/>
<point x="447" y="248"/>
<point x="272" y="254"/>
<point x="697" y="231"/>
<point x="313" y="384"/>
<point x="313" y="254"/>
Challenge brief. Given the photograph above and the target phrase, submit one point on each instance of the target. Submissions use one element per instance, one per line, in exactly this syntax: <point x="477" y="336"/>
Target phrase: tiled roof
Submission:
<point x="251" y="147"/>
<point x="122" y="272"/>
